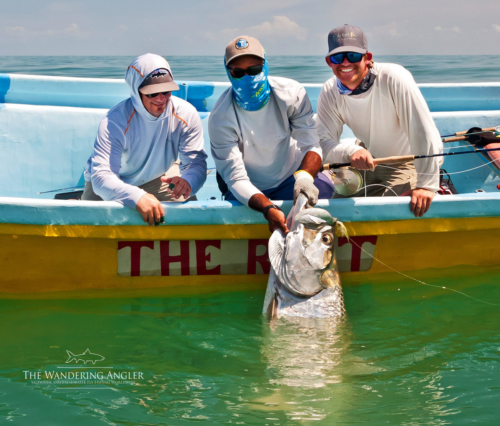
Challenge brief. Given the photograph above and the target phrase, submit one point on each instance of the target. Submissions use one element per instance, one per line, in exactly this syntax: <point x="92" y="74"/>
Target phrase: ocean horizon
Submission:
<point x="305" y="69"/>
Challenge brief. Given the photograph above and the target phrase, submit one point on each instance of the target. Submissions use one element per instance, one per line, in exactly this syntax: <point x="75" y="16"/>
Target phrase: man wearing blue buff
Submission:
<point x="263" y="136"/>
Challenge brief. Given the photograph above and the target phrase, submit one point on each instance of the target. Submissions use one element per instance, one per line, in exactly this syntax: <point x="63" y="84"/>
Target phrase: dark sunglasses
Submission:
<point x="239" y="73"/>
<point x="154" y="95"/>
<point x="352" y="57"/>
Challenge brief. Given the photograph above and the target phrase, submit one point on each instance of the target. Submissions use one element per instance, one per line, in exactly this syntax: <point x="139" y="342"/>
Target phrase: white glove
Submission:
<point x="304" y="184"/>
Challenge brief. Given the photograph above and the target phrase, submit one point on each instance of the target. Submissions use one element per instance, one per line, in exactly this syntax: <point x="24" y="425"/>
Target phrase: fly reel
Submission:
<point x="347" y="181"/>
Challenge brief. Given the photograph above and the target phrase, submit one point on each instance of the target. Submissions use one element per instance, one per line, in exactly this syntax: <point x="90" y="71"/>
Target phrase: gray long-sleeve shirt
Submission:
<point x="258" y="150"/>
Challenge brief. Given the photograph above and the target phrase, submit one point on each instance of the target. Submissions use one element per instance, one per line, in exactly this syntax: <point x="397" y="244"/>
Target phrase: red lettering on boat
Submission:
<point x="135" y="254"/>
<point x="202" y="257"/>
<point x="253" y="258"/>
<point x="356" y="248"/>
<point x="166" y="259"/>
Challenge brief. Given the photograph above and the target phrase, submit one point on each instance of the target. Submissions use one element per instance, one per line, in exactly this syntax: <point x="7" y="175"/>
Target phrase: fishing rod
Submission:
<point x="80" y="188"/>
<point x="468" y="132"/>
<point x="403" y="158"/>
<point x="74" y="188"/>
<point x="464" y="135"/>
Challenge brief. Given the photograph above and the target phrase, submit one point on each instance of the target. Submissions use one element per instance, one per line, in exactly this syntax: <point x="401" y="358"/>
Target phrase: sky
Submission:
<point x="284" y="27"/>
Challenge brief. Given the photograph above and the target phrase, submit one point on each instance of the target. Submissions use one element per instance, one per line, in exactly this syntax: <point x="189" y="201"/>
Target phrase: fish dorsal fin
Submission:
<point x="87" y="351"/>
<point x="312" y="219"/>
<point x="315" y="216"/>
<point x="276" y="249"/>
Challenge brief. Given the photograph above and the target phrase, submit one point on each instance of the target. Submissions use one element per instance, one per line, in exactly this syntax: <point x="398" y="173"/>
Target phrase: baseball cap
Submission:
<point x="244" y="45"/>
<point x="347" y="38"/>
<point x="160" y="80"/>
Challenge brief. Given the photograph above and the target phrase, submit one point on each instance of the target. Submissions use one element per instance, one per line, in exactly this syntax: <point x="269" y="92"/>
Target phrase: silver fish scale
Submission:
<point x="327" y="303"/>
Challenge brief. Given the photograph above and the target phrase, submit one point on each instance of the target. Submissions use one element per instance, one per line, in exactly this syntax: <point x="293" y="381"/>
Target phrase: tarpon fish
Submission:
<point x="87" y="356"/>
<point x="304" y="279"/>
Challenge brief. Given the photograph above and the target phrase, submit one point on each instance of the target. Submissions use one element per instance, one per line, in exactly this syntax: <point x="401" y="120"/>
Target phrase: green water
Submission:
<point x="406" y="354"/>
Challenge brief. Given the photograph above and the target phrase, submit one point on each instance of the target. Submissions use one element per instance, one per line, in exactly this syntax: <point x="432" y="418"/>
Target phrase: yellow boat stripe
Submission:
<point x="232" y="232"/>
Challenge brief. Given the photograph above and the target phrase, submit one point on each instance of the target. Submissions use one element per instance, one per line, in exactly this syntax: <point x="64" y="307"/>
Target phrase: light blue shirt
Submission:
<point x="133" y="147"/>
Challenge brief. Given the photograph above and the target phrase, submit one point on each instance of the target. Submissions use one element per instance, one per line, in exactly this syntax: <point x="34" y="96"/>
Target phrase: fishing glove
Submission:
<point x="304" y="184"/>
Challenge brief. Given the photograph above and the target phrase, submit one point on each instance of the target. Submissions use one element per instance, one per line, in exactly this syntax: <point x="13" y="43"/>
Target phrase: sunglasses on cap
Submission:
<point x="154" y="95"/>
<point x="352" y="57"/>
<point x="239" y="72"/>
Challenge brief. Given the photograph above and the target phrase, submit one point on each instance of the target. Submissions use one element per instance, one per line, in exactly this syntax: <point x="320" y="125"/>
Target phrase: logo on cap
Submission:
<point x="241" y="44"/>
<point x="345" y="35"/>
<point x="159" y="73"/>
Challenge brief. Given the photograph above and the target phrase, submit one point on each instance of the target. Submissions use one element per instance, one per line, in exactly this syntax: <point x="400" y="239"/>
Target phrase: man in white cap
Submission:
<point x="139" y="141"/>
<point x="382" y="105"/>
<point x="263" y="136"/>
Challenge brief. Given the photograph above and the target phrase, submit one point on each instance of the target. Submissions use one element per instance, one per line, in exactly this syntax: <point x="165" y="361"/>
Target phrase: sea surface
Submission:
<point x="306" y="69"/>
<point x="406" y="354"/>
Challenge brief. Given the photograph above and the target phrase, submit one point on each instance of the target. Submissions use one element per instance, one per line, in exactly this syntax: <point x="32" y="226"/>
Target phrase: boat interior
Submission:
<point x="49" y="125"/>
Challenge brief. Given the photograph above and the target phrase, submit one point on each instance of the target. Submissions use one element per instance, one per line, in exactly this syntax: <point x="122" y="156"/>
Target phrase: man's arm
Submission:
<point x="303" y="130"/>
<point x="275" y="218"/>
<point x="106" y="163"/>
<point x="240" y="186"/>
<point x="193" y="158"/>
<point x="416" y="119"/>
<point x="311" y="163"/>
<point x="227" y="155"/>
<point x="230" y="165"/>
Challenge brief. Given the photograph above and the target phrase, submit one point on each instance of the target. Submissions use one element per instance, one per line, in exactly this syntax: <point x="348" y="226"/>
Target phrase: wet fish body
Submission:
<point x="304" y="279"/>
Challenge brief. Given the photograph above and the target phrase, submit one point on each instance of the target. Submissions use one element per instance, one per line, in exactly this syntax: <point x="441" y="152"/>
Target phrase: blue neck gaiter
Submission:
<point x="342" y="89"/>
<point x="251" y="92"/>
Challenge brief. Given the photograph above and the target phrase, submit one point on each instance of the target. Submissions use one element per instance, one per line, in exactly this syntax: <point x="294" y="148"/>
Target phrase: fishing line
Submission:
<point x="377" y="184"/>
<point x="456" y="147"/>
<point x="421" y="282"/>
<point x="432" y="174"/>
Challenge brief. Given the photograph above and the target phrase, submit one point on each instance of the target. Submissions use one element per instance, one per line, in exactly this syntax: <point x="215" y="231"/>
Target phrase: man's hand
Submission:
<point x="304" y="178"/>
<point x="276" y="219"/>
<point x="182" y="187"/>
<point x="362" y="160"/>
<point x="421" y="200"/>
<point x="151" y="210"/>
<point x="304" y="184"/>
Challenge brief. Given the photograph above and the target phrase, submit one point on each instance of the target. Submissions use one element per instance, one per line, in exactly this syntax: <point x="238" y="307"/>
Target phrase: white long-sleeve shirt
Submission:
<point x="258" y="150"/>
<point x="391" y="118"/>
<point x="133" y="147"/>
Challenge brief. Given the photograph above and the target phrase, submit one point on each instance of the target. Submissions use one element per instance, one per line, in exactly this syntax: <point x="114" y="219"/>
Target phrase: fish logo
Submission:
<point x="86" y="357"/>
<point x="241" y="44"/>
<point x="158" y="73"/>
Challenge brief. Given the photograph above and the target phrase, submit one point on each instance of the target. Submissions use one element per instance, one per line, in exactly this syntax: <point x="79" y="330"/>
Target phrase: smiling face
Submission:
<point x="351" y="75"/>
<point x="155" y="106"/>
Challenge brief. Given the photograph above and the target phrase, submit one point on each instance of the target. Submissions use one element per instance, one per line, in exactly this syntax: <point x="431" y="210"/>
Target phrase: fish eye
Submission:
<point x="327" y="239"/>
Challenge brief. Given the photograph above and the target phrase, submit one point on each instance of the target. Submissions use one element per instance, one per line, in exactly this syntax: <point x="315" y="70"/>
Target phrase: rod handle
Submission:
<point x="489" y="129"/>
<point x="393" y="160"/>
<point x="454" y="139"/>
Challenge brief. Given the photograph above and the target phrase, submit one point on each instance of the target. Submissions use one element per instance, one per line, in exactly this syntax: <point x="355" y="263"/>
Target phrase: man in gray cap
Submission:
<point x="382" y="105"/>
<point x="263" y="136"/>
<point x="139" y="141"/>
